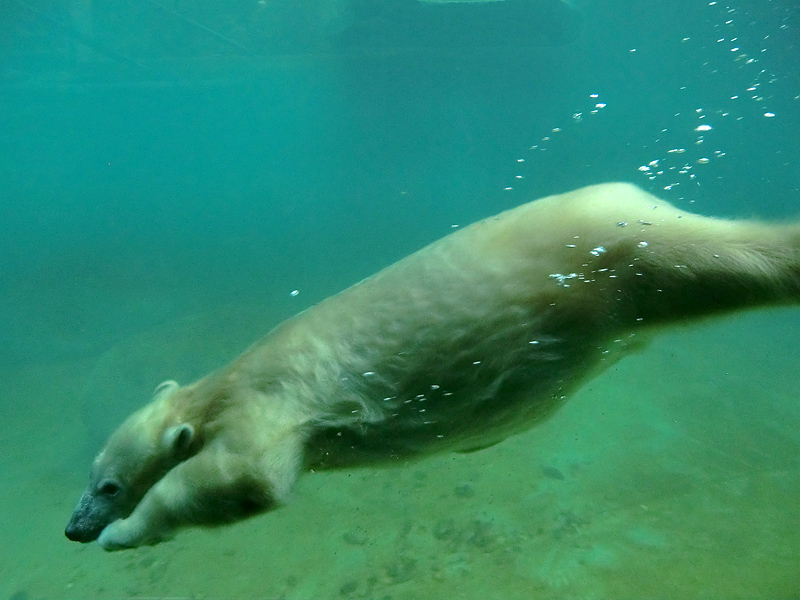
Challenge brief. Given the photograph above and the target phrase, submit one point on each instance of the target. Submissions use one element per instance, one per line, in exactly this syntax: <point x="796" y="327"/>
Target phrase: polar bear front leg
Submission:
<point x="210" y="488"/>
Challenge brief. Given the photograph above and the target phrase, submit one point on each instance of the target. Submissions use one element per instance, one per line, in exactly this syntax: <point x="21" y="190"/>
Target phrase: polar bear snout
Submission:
<point x="90" y="517"/>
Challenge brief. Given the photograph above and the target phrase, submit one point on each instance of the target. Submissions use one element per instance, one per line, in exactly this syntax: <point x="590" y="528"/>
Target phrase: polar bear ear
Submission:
<point x="178" y="438"/>
<point x="164" y="388"/>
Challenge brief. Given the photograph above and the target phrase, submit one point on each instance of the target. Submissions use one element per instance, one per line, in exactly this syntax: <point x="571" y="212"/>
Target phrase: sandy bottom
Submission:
<point x="676" y="474"/>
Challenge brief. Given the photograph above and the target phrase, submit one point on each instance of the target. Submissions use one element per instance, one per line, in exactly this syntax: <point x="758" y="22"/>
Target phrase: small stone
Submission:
<point x="464" y="491"/>
<point x="355" y="538"/>
<point x="552" y="472"/>
<point x="348" y="587"/>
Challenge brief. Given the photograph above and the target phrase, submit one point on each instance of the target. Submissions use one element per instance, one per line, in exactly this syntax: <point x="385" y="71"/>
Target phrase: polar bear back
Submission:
<point x="487" y="330"/>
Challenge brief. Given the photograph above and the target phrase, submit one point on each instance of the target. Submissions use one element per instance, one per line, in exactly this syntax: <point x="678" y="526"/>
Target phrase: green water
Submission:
<point x="171" y="173"/>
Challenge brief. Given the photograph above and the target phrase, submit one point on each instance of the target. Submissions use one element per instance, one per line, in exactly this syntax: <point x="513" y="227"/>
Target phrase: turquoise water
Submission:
<point x="172" y="173"/>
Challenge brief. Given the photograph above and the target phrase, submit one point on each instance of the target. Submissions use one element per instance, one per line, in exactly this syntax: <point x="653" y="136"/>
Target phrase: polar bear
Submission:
<point x="474" y="338"/>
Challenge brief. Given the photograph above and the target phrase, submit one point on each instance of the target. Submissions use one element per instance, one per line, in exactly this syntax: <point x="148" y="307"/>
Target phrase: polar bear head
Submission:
<point x="137" y="455"/>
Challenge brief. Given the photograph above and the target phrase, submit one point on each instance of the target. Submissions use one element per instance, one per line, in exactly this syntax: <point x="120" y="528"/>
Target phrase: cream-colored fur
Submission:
<point x="467" y="341"/>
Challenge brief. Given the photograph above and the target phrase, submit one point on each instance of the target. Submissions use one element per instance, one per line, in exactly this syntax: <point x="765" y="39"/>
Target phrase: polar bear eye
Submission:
<point x="109" y="488"/>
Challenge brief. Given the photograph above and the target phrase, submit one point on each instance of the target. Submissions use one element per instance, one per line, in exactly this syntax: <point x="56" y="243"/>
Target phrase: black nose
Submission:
<point x="72" y="535"/>
<point x="75" y="535"/>
<point x="76" y="532"/>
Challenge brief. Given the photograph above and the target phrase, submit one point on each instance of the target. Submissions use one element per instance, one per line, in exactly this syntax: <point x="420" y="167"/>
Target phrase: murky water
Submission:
<point x="172" y="174"/>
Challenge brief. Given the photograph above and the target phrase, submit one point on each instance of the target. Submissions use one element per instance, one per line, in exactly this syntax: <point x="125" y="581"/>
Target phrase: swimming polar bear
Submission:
<point x="476" y="337"/>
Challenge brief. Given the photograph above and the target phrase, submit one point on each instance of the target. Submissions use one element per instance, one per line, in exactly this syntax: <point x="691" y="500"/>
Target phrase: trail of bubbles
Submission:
<point x="544" y="143"/>
<point x="732" y="58"/>
<point x="729" y="59"/>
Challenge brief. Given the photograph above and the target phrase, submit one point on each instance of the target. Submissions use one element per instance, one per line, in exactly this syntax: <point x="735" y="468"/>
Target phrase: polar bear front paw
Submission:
<point x="117" y="536"/>
<point x="126" y="533"/>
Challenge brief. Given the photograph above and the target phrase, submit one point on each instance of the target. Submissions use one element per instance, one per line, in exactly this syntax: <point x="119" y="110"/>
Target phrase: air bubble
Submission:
<point x="561" y="279"/>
